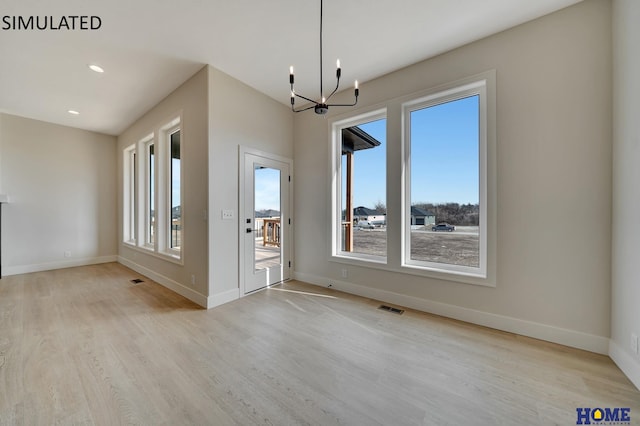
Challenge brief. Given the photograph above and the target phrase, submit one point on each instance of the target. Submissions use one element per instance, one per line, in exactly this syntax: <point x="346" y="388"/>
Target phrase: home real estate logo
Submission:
<point x="603" y="416"/>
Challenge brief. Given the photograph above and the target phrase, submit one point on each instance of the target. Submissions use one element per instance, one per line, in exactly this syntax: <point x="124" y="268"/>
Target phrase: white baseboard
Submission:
<point x="49" y="266"/>
<point x="222" y="298"/>
<point x="172" y="285"/>
<point x="629" y="366"/>
<point x="572" y="338"/>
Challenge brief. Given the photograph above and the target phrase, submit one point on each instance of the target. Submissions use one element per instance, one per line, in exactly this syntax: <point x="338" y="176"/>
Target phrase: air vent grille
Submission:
<point x="391" y="309"/>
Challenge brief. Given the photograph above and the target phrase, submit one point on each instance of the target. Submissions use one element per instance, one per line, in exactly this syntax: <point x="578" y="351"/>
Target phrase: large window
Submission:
<point x="361" y="216"/>
<point x="445" y="184"/>
<point x="413" y="184"/>
<point x="153" y="186"/>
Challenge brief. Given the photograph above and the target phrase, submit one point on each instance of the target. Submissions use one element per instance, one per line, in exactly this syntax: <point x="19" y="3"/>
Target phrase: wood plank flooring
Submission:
<point x="86" y="346"/>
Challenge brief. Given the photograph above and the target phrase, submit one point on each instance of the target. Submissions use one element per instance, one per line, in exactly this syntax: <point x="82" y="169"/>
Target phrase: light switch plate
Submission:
<point x="227" y="214"/>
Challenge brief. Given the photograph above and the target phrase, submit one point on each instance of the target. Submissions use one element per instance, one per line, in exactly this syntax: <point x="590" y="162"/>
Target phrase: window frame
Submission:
<point x="137" y="181"/>
<point x="452" y="94"/>
<point x="336" y="127"/>
<point x="396" y="194"/>
<point x="168" y="130"/>
<point x="130" y="193"/>
<point x="150" y="168"/>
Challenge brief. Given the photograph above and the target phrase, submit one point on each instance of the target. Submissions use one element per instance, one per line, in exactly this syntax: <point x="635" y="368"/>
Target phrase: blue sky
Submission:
<point x="267" y="189"/>
<point x="444" y="156"/>
<point x="175" y="182"/>
<point x="444" y="160"/>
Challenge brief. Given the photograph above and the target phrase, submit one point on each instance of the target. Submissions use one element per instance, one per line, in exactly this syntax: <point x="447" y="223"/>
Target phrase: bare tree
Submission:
<point x="453" y="213"/>
<point x="380" y="207"/>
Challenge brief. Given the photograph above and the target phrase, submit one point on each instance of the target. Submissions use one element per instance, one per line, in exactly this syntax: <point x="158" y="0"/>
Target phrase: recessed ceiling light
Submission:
<point x="73" y="112"/>
<point x="96" y="68"/>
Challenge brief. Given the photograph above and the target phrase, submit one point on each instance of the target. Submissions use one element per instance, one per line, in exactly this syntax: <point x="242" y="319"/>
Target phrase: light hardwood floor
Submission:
<point x="86" y="346"/>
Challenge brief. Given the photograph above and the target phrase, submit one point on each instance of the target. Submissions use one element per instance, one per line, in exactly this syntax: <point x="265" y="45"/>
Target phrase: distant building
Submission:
<point x="267" y="214"/>
<point x="373" y="216"/>
<point x="422" y="217"/>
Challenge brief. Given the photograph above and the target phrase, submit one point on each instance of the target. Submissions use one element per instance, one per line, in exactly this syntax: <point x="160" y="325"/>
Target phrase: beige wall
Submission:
<point x="239" y="116"/>
<point x="219" y="114"/>
<point x="62" y="186"/>
<point x="553" y="182"/>
<point x="625" y="308"/>
<point x="190" y="99"/>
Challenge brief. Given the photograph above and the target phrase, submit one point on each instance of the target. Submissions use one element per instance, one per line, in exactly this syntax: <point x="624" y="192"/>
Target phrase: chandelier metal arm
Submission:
<point x="303" y="109"/>
<point x="305" y="98"/>
<point x="334" y="90"/>
<point x="345" y="105"/>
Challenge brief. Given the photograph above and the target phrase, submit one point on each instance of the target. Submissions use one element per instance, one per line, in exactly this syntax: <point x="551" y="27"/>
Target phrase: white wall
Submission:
<point x="553" y="191"/>
<point x="62" y="186"/>
<point x="190" y="99"/>
<point x="239" y="116"/>
<point x="625" y="308"/>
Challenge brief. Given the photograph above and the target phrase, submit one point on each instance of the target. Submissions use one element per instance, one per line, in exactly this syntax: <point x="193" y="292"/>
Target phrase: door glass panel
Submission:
<point x="267" y="217"/>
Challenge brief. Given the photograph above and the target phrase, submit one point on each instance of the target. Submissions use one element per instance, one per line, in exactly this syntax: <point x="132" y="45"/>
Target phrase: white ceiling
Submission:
<point x="149" y="47"/>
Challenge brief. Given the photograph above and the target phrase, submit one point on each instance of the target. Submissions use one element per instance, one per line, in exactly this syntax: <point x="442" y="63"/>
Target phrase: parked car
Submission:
<point x="443" y="227"/>
<point x="365" y="224"/>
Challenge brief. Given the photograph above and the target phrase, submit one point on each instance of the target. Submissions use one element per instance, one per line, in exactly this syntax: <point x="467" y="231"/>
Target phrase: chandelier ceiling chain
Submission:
<point x="321" y="107"/>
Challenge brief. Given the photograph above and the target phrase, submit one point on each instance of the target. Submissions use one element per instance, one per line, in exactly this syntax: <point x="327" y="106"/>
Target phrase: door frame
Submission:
<point x="242" y="151"/>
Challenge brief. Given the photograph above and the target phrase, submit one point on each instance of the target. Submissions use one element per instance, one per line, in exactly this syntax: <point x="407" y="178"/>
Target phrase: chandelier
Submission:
<point x="321" y="107"/>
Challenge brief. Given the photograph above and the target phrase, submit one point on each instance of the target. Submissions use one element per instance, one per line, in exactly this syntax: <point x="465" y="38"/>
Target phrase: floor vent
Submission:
<point x="137" y="281"/>
<point x="391" y="309"/>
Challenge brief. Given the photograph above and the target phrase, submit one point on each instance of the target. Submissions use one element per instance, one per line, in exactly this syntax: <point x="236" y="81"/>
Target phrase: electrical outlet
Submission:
<point x="345" y="273"/>
<point x="633" y="343"/>
<point x="67" y="253"/>
<point x="227" y="214"/>
<point x="193" y="279"/>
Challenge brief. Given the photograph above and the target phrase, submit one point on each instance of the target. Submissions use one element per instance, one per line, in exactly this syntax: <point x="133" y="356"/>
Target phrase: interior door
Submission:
<point x="265" y="223"/>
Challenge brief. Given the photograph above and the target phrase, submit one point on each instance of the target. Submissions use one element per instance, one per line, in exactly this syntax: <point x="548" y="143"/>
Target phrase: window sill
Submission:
<point x="364" y="258"/>
<point x="421" y="271"/>
<point x="169" y="257"/>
